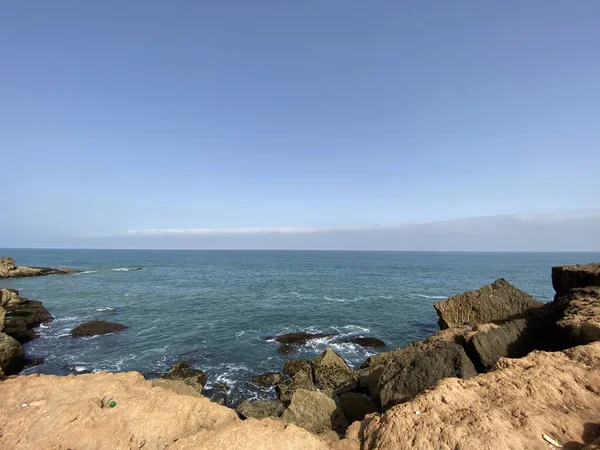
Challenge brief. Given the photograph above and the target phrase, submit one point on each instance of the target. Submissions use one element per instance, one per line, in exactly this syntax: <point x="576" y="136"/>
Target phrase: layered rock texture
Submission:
<point x="8" y="269"/>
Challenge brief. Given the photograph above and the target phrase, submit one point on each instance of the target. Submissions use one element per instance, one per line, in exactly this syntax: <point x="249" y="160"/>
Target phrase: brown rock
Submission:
<point x="177" y="386"/>
<point x="315" y="412"/>
<point x="299" y="338"/>
<point x="286" y="389"/>
<point x="580" y="323"/>
<point x="12" y="356"/>
<point x="96" y="327"/>
<point x="267" y="379"/>
<point x="293" y="366"/>
<point x="330" y="371"/>
<point x="8" y="269"/>
<point x="495" y="302"/>
<point x="557" y="394"/>
<point x="420" y="366"/>
<point x="356" y="406"/>
<point x="260" y="409"/>
<point x="182" y="371"/>
<point x="565" y="278"/>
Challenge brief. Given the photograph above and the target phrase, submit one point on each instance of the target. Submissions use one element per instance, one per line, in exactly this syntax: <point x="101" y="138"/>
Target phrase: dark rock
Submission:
<point x="22" y="317"/>
<point x="286" y="389"/>
<point x="369" y="342"/>
<point x="420" y="366"/>
<point x="356" y="406"/>
<point x="12" y="356"/>
<point x="315" y="412"/>
<point x="182" y="371"/>
<point x="492" y="303"/>
<point x="330" y="371"/>
<point x="260" y="409"/>
<point x="294" y="366"/>
<point x="286" y="349"/>
<point x="33" y="362"/>
<point x="267" y="379"/>
<point x="565" y="278"/>
<point x="96" y="327"/>
<point x="221" y="387"/>
<point x="368" y="381"/>
<point x="300" y="338"/>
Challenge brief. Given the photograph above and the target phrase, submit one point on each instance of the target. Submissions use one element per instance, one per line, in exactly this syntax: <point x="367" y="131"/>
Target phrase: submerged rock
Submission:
<point x="260" y="409"/>
<point x="315" y="412"/>
<point x="12" y="356"/>
<point x="565" y="278"/>
<point x="8" y="269"/>
<point x="182" y="371"/>
<point x="267" y="379"/>
<point x="300" y="338"/>
<point x="495" y="302"/>
<point x="330" y="371"/>
<point x="96" y="327"/>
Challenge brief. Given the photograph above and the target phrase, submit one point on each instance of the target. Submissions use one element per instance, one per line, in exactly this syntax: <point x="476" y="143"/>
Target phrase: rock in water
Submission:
<point x="495" y="302"/>
<point x="12" y="356"/>
<point x="565" y="278"/>
<point x="96" y="327"/>
<point x="315" y="412"/>
<point x="420" y="366"/>
<point x="267" y="379"/>
<point x="286" y="389"/>
<point x="331" y="372"/>
<point x="8" y="269"/>
<point x="182" y="371"/>
<point x="293" y="366"/>
<point x="366" y="341"/>
<point x="22" y="315"/>
<point x="260" y="409"/>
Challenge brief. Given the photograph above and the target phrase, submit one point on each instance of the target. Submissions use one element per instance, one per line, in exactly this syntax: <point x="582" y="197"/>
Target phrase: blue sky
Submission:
<point x="119" y="116"/>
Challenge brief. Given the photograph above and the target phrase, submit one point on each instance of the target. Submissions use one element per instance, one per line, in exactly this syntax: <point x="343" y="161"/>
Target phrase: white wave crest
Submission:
<point x="106" y="308"/>
<point x="430" y="296"/>
<point x="86" y="271"/>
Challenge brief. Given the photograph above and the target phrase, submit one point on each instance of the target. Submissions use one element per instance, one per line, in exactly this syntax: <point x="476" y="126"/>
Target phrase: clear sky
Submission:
<point x="144" y="115"/>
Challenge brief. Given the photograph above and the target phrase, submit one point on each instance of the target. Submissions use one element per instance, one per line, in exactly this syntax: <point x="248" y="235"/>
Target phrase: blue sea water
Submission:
<point x="215" y="308"/>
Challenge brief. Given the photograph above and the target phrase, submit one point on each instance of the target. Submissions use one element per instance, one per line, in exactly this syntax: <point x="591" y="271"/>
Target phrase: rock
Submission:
<point x="565" y="278"/>
<point x="8" y="269"/>
<point x="182" y="371"/>
<point x="10" y="297"/>
<point x="96" y="327"/>
<point x="420" y="366"/>
<point x="12" y="356"/>
<point x="286" y="389"/>
<point x="368" y="342"/>
<point x="252" y="434"/>
<point x="580" y="323"/>
<point x="368" y="381"/>
<point x="286" y="349"/>
<point x="496" y="302"/>
<point x="2" y="316"/>
<point x="300" y="338"/>
<point x="330" y="371"/>
<point x="177" y="386"/>
<point x="356" y="406"/>
<point x="595" y="445"/>
<point x="315" y="412"/>
<point x="490" y="342"/>
<point x="293" y="366"/>
<point x="22" y="316"/>
<point x="267" y="379"/>
<point x="260" y="409"/>
<point x="33" y="362"/>
<point x="512" y="407"/>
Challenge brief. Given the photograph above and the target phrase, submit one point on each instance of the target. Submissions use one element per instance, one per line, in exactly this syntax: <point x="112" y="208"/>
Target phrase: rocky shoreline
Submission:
<point x="9" y="269"/>
<point x="505" y="371"/>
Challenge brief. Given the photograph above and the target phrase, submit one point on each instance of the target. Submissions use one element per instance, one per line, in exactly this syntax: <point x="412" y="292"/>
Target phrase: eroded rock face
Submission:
<point x="495" y="302"/>
<point x="183" y="372"/>
<point x="286" y="389"/>
<point x="512" y="407"/>
<point x="177" y="386"/>
<point x="580" y="323"/>
<point x="260" y="409"/>
<point x="22" y="315"/>
<point x="268" y="379"/>
<point x="330" y="371"/>
<point x="293" y="366"/>
<point x="420" y="366"/>
<point x="96" y="327"/>
<point x="315" y="412"/>
<point x="356" y="406"/>
<point x="565" y="278"/>
<point x="12" y="356"/>
<point x="8" y="269"/>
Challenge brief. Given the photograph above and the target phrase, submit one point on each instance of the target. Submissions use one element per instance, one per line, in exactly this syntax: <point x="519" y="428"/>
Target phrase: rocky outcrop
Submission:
<point x="12" y="356"/>
<point x="268" y="379"/>
<point x="96" y="327"/>
<point x="356" y="406"/>
<point x="177" y="386"/>
<point x="330" y="371"/>
<point x="420" y="367"/>
<point x="286" y="389"/>
<point x="293" y="366"/>
<point x="315" y="412"/>
<point x="498" y="301"/>
<point x="22" y="315"/>
<point x="260" y="409"/>
<point x="183" y="372"/>
<point x="565" y="278"/>
<point x="8" y="269"/>
<point x="580" y="323"/>
<point x="513" y="407"/>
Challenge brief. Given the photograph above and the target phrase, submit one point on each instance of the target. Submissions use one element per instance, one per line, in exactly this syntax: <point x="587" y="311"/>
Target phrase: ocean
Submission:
<point x="215" y="308"/>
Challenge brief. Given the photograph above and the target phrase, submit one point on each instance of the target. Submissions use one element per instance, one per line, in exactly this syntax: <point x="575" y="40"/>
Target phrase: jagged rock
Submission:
<point x="286" y="389"/>
<point x="356" y="406"/>
<point x="22" y="316"/>
<point x="293" y="366"/>
<point x="496" y="302"/>
<point x="419" y="366"/>
<point x="330" y="371"/>
<point x="512" y="407"/>
<point x="8" y="269"/>
<point x="10" y="297"/>
<point x="565" y="278"/>
<point x="177" y="386"/>
<point x="299" y="338"/>
<point x="96" y="327"/>
<point x="2" y="316"/>
<point x="12" y="356"/>
<point x="368" y="381"/>
<point x="315" y="412"/>
<point x="268" y="379"/>
<point x="260" y="409"/>
<point x="182" y="371"/>
<point x="365" y="341"/>
<point x="580" y="323"/>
